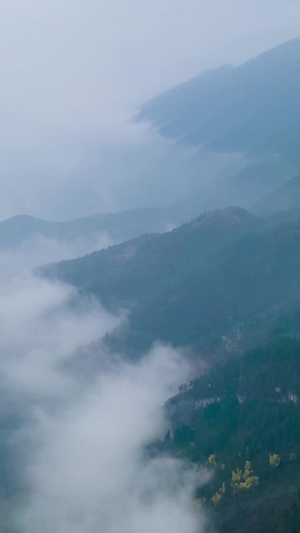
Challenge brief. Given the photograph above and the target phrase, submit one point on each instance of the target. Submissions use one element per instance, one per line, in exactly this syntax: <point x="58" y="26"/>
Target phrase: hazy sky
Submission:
<point x="72" y="72"/>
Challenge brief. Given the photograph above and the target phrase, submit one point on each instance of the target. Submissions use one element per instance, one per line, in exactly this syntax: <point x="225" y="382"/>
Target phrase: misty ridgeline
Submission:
<point x="150" y="356"/>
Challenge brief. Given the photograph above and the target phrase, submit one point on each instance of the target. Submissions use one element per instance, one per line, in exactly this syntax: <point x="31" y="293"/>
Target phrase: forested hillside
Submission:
<point x="139" y="269"/>
<point x="240" y="423"/>
<point x="199" y="285"/>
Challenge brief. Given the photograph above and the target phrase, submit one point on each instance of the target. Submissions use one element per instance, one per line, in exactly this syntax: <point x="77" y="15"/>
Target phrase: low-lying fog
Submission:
<point x="76" y="419"/>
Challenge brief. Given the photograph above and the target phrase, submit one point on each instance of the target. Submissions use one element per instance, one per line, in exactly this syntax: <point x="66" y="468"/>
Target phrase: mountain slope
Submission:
<point x="137" y="270"/>
<point x="255" y="275"/>
<point x="250" y="108"/>
<point x="198" y="284"/>
<point x="283" y="199"/>
<point x="117" y="226"/>
<point x="246" y="409"/>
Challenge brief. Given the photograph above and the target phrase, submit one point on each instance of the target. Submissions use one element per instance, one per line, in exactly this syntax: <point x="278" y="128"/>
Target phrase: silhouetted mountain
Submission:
<point x="197" y="284"/>
<point x="255" y="275"/>
<point x="117" y="226"/>
<point x="284" y="199"/>
<point x="137" y="270"/>
<point x="250" y="108"/>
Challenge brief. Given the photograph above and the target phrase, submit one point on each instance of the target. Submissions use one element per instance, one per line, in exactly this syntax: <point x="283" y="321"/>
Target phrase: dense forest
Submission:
<point x="240" y="424"/>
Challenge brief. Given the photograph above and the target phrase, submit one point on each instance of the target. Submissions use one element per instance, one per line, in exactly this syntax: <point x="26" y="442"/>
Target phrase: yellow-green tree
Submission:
<point x="199" y="502"/>
<point x="212" y="459"/>
<point x="236" y="476"/>
<point x="249" y="483"/>
<point x="218" y="496"/>
<point x="274" y="460"/>
<point x="243" y="481"/>
<point x="248" y="470"/>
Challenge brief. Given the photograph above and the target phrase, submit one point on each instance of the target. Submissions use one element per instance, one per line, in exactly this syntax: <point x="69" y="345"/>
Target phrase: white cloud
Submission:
<point x="90" y="473"/>
<point x="38" y="250"/>
<point x="85" y="418"/>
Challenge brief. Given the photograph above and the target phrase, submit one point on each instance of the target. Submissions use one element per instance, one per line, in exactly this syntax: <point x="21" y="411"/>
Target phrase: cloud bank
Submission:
<point x="90" y="472"/>
<point x="85" y="418"/>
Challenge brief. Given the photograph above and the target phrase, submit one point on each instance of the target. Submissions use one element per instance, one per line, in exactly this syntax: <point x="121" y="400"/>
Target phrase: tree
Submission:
<point x="218" y="496"/>
<point x="212" y="459"/>
<point x="243" y="481"/>
<point x="274" y="460"/>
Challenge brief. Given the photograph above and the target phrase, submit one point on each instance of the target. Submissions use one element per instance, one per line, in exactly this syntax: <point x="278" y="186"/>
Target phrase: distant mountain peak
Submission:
<point x="284" y="198"/>
<point x="228" y="217"/>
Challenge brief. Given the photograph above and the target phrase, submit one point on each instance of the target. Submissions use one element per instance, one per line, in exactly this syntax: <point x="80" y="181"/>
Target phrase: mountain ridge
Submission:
<point x="249" y="108"/>
<point x="282" y="199"/>
<point x="117" y="226"/>
<point x="197" y="285"/>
